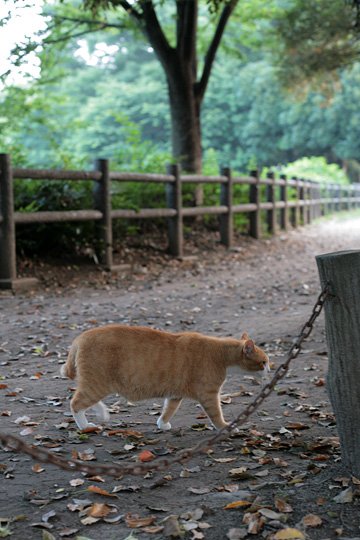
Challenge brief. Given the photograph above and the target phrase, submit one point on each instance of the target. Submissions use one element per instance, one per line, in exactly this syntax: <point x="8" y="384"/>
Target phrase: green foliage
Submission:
<point x="317" y="169"/>
<point x="315" y="39"/>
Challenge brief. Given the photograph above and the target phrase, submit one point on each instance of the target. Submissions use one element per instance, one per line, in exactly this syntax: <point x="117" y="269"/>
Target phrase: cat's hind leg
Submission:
<point x="79" y="404"/>
<point x="171" y="405"/>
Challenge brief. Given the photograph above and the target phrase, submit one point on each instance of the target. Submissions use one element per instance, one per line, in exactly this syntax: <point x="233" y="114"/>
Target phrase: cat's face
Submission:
<point x="254" y="358"/>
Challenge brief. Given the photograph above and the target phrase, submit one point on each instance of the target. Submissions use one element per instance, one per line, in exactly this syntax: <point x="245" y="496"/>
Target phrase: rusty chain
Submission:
<point x="15" y="444"/>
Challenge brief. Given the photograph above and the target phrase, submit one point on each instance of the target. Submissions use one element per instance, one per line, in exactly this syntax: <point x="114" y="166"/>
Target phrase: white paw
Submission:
<point x="165" y="426"/>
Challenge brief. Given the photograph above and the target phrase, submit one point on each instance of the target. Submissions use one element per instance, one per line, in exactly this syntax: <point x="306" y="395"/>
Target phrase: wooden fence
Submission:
<point x="308" y="200"/>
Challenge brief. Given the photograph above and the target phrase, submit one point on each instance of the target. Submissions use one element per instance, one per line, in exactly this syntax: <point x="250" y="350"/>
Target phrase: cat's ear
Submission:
<point x="249" y="347"/>
<point x="245" y="336"/>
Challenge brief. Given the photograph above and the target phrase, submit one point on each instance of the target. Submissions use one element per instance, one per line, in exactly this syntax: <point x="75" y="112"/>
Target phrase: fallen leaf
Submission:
<point x="236" y="533"/>
<point x="172" y="527"/>
<point x="153" y="529"/>
<point x="37" y="468"/>
<point x="125" y="488"/>
<point x="45" y="518"/>
<point x="77" y="482"/>
<point x="225" y="459"/>
<point x="70" y="532"/>
<point x="289" y="534"/>
<point x="283" y="506"/>
<point x="296" y="425"/>
<point x="89" y="520"/>
<point x="269" y="514"/>
<point x="92" y="429"/>
<point x="146" y="455"/>
<point x="240" y="473"/>
<point x="99" y="491"/>
<point x="237" y="504"/>
<point x="199" y="491"/>
<point x="254" y="521"/>
<point x="345" y="496"/>
<point x="134" y="521"/>
<point x="99" y="510"/>
<point x="88" y="455"/>
<point x="312" y="520"/>
<point x="46" y="536"/>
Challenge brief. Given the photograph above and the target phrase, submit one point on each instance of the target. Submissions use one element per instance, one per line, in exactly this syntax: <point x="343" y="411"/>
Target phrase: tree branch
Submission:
<point x="214" y="45"/>
<point x="90" y="22"/>
<point x="152" y="29"/>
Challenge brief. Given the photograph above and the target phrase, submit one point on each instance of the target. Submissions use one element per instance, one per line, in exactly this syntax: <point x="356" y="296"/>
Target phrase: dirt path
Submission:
<point x="284" y="463"/>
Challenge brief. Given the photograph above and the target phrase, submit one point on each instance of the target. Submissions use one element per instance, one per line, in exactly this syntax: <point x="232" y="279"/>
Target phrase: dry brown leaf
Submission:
<point x="289" y="534"/>
<point x="134" y="521"/>
<point x="37" y="468"/>
<point x="254" y="521"/>
<point x="312" y="520"/>
<point x="145" y="456"/>
<point x="153" y="529"/>
<point x="99" y="510"/>
<point x="92" y="429"/>
<point x="296" y="425"/>
<point x="88" y="455"/>
<point x="96" y="478"/>
<point x="237" y="504"/>
<point x="283" y="506"/>
<point x="99" y="491"/>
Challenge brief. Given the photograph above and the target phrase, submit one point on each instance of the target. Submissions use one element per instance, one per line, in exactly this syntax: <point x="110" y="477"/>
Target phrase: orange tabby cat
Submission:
<point x="142" y="363"/>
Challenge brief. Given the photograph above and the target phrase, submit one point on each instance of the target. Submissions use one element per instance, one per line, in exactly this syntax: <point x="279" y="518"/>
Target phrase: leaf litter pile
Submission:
<point x="279" y="477"/>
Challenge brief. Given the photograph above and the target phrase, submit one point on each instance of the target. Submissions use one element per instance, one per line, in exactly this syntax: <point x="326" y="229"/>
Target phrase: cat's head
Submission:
<point x="253" y="358"/>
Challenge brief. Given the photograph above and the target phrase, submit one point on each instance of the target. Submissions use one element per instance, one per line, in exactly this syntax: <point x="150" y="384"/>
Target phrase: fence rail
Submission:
<point x="308" y="200"/>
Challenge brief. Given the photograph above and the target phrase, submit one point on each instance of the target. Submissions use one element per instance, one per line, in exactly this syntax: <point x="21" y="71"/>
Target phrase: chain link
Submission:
<point x="16" y="444"/>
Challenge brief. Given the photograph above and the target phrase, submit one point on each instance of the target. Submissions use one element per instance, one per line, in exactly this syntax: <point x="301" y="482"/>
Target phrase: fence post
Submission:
<point x="7" y="225"/>
<point x="226" y="220"/>
<point x="254" y="217"/>
<point x="284" y="212"/>
<point x="102" y="200"/>
<point x="342" y="314"/>
<point x="308" y="197"/>
<point x="270" y="196"/>
<point x="174" y="200"/>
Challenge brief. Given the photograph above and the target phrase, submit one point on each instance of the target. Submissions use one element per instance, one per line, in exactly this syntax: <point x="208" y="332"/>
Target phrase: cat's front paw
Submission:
<point x="165" y="426"/>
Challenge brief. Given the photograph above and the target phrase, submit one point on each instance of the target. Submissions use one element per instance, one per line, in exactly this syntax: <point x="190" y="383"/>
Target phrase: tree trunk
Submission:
<point x="185" y="125"/>
<point x="342" y="315"/>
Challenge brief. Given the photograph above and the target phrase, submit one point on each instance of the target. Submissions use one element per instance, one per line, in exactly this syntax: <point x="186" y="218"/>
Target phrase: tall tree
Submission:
<point x="177" y="49"/>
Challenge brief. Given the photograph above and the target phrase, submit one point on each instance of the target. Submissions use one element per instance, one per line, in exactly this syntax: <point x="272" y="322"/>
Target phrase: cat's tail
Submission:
<point x="69" y="368"/>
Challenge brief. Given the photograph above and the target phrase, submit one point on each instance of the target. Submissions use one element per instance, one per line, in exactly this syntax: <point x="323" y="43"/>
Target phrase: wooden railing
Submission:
<point x="284" y="202"/>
